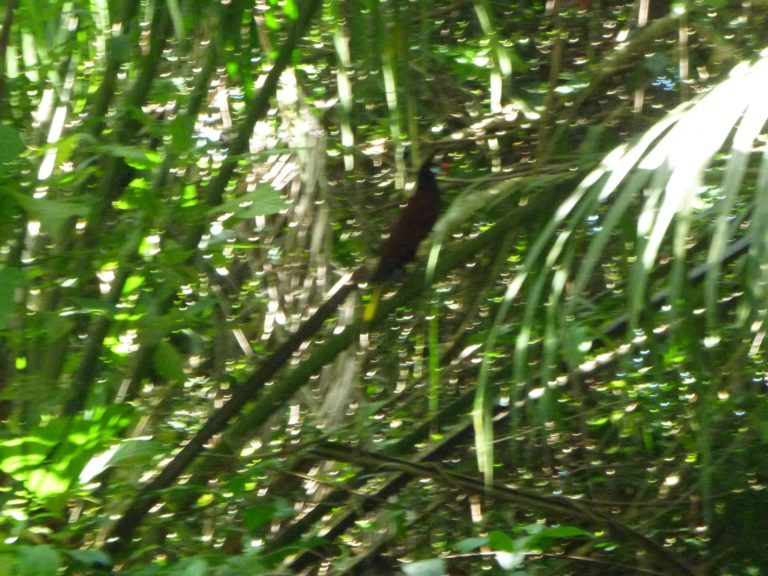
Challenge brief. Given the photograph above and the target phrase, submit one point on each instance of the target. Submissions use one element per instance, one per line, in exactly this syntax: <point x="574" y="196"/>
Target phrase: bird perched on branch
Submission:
<point x="414" y="224"/>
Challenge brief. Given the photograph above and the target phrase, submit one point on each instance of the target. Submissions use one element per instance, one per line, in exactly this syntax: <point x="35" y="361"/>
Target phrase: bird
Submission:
<point x="412" y="226"/>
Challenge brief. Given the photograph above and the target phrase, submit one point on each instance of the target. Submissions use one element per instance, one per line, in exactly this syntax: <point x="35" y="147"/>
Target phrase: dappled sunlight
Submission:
<point x="565" y="344"/>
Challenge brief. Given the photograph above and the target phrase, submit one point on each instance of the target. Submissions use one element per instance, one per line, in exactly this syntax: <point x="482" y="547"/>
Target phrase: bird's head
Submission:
<point x="434" y="165"/>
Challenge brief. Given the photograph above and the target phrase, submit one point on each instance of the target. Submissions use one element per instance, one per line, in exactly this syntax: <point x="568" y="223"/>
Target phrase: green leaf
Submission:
<point x="470" y="544"/>
<point x="11" y="145"/>
<point x="270" y="20"/>
<point x="261" y="514"/>
<point x="19" y="454"/>
<point x="134" y="156"/>
<point x="433" y="567"/>
<point x="78" y="440"/>
<point x="191" y="567"/>
<point x="119" y="48"/>
<point x="135" y="451"/>
<point x="500" y="541"/>
<point x="132" y="284"/>
<point x="181" y="129"/>
<point x="563" y="532"/>
<point x="40" y="560"/>
<point x="258" y="515"/>
<point x="53" y="214"/>
<point x="7" y="562"/>
<point x="48" y="483"/>
<point x="262" y="201"/>
<point x="92" y="558"/>
<point x="132" y="452"/>
<point x="10" y="280"/>
<point x="290" y="9"/>
<point x="169" y="363"/>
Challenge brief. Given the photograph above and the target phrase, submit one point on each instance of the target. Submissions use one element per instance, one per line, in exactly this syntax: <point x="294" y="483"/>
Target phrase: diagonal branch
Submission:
<point x="451" y="413"/>
<point x="122" y="531"/>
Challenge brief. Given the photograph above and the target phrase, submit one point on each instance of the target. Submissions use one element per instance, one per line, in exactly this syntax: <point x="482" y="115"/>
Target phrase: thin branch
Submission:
<point x="126" y="526"/>
<point x="557" y="504"/>
<point x="450" y="414"/>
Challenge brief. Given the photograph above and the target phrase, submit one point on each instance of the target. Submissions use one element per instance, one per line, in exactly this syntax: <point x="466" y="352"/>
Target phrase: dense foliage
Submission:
<point x="570" y="379"/>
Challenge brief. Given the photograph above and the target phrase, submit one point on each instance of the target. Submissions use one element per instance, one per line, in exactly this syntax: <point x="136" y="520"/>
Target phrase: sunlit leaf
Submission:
<point x="271" y="21"/>
<point x="290" y="9"/>
<point x="134" y="156"/>
<point x="161" y="115"/>
<point x="53" y="214"/>
<point x="47" y="483"/>
<point x="128" y="453"/>
<point x="67" y="444"/>
<point x="134" y="451"/>
<point x="21" y="454"/>
<point x="133" y="283"/>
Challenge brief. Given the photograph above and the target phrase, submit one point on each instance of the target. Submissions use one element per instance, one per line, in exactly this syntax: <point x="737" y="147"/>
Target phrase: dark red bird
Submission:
<point x="414" y="224"/>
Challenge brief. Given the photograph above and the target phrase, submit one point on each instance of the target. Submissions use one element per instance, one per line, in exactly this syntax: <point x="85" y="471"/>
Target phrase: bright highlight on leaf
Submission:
<point x="570" y="379"/>
<point x="261" y="202"/>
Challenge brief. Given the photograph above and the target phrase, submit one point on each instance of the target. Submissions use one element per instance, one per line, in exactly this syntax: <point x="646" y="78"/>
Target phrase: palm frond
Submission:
<point x="667" y="184"/>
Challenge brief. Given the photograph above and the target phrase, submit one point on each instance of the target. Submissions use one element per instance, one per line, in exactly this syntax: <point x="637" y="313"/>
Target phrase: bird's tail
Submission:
<point x="370" y="308"/>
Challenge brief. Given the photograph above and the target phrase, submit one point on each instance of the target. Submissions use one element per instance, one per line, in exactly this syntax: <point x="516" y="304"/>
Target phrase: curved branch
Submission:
<point x="559" y="505"/>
